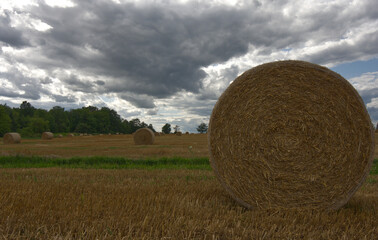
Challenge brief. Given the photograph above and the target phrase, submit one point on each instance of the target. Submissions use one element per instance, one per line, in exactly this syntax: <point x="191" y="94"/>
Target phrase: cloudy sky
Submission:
<point x="168" y="60"/>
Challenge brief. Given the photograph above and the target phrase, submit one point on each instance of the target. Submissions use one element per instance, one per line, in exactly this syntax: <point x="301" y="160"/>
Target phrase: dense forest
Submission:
<point x="30" y="121"/>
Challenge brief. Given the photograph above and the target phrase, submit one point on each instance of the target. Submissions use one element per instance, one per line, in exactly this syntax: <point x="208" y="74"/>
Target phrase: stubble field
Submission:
<point x="66" y="203"/>
<point x="188" y="146"/>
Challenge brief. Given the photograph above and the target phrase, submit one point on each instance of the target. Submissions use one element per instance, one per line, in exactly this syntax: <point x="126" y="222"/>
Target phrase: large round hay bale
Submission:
<point x="291" y="134"/>
<point x="47" y="135"/>
<point x="144" y="136"/>
<point x="12" y="138"/>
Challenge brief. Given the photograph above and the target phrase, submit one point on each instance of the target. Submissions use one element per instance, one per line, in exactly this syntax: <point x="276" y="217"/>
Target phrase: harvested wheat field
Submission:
<point x="66" y="203"/>
<point x="161" y="204"/>
<point x="111" y="145"/>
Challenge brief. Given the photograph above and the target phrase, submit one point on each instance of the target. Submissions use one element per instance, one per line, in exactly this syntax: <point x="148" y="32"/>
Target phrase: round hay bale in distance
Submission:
<point x="47" y="135"/>
<point x="12" y="138"/>
<point x="291" y="134"/>
<point x="144" y="136"/>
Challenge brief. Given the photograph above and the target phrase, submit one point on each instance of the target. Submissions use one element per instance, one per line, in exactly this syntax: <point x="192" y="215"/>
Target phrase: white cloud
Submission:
<point x="24" y="20"/>
<point x="60" y="3"/>
<point x="365" y="81"/>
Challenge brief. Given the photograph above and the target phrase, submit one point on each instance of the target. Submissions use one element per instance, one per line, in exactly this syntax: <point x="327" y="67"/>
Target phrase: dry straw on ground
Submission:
<point x="47" y="135"/>
<point x="144" y="136"/>
<point x="12" y="138"/>
<point x="291" y="134"/>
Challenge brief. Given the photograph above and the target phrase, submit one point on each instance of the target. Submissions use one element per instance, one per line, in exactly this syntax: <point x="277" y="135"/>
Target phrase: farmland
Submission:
<point x="188" y="146"/>
<point x="180" y="203"/>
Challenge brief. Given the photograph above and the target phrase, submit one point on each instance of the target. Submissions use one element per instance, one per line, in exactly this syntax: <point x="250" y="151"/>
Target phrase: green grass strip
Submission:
<point x="104" y="163"/>
<point x="115" y="163"/>
<point x="374" y="168"/>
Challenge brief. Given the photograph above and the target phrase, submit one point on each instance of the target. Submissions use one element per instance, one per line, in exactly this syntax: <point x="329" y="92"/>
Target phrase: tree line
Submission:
<point x="30" y="121"/>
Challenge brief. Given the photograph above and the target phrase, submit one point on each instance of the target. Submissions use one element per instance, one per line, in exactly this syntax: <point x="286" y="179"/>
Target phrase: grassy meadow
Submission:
<point x="104" y="187"/>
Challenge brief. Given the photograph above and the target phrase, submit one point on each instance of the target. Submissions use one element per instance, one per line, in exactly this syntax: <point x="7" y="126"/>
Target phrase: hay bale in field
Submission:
<point x="60" y="136"/>
<point x="186" y="133"/>
<point x="144" y="136"/>
<point x="12" y="138"/>
<point x="178" y="133"/>
<point x="71" y="135"/>
<point x="291" y="134"/>
<point x="47" y="135"/>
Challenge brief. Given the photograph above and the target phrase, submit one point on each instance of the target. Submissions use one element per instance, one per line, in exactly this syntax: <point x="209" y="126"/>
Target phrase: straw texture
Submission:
<point x="291" y="134"/>
<point x="47" y="135"/>
<point x="12" y="138"/>
<point x="144" y="136"/>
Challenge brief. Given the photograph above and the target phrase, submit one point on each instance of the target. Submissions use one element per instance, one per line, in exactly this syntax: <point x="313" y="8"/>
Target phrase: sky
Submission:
<point x="168" y="61"/>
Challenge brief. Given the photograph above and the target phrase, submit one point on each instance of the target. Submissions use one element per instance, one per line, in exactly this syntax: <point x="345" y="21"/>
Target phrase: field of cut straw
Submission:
<point x="188" y="146"/>
<point x="78" y="203"/>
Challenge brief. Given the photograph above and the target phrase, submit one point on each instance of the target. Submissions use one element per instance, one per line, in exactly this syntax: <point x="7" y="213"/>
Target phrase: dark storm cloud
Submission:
<point x="152" y="49"/>
<point x="139" y="101"/>
<point x="61" y="98"/>
<point x="159" y="49"/>
<point x="29" y="86"/>
<point x="347" y="50"/>
<point x="100" y="83"/>
<point x="152" y="112"/>
<point x="144" y="51"/>
<point x="10" y="35"/>
<point x="76" y="84"/>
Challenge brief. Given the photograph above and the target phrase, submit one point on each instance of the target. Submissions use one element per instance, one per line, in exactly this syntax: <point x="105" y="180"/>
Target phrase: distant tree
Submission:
<point x="29" y="121"/>
<point x="42" y="113"/>
<point x="202" y="128"/>
<point x="5" y="121"/>
<point x="83" y="128"/>
<point x="58" y="120"/>
<point x="126" y="127"/>
<point x="26" y="109"/>
<point x="135" y="124"/>
<point x="176" y="128"/>
<point x="38" y="125"/>
<point x="151" y="127"/>
<point x="166" y="128"/>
